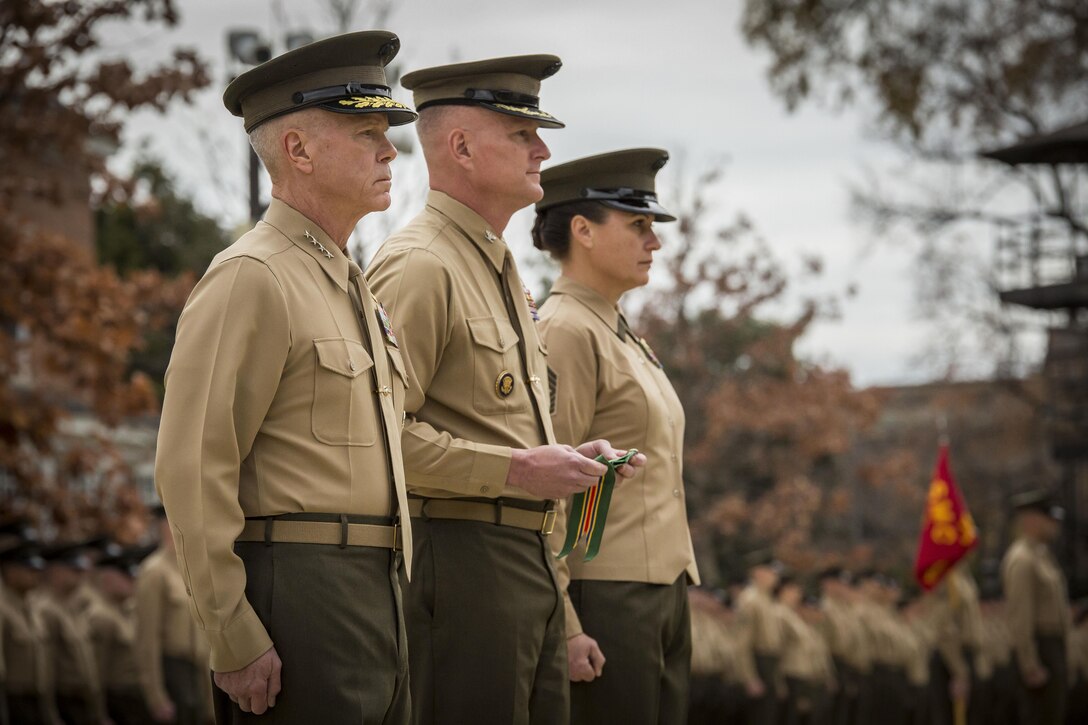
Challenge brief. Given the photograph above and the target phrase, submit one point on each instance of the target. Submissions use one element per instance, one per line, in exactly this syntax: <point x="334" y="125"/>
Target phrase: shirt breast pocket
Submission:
<point x="343" y="408"/>
<point x="498" y="386"/>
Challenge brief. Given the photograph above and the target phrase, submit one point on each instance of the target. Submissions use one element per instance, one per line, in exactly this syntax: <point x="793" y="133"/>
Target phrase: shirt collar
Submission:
<point x="472" y="225"/>
<point x="598" y="305"/>
<point x="310" y="238"/>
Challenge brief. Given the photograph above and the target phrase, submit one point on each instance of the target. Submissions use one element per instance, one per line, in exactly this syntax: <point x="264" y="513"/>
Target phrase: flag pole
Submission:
<point x="959" y="703"/>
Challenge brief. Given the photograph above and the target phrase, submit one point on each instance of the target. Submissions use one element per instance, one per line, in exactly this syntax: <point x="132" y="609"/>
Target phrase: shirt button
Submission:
<point x="676" y="492"/>
<point x="484" y="489"/>
<point x="351" y="364"/>
<point x="673" y="456"/>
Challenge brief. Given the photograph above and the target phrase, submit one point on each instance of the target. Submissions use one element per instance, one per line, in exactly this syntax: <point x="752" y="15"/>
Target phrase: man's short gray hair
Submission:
<point x="266" y="140"/>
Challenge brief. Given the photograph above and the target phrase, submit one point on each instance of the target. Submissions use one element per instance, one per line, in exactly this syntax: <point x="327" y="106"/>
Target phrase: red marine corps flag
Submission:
<point x="948" y="531"/>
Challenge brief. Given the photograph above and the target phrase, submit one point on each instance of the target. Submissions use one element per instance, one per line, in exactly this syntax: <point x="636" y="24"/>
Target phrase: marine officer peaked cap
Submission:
<point x="73" y="555"/>
<point x="506" y="85"/>
<point x="1039" y="500"/>
<point x="764" y="557"/>
<point x="623" y="180"/>
<point x="26" y="553"/>
<point x="345" y="74"/>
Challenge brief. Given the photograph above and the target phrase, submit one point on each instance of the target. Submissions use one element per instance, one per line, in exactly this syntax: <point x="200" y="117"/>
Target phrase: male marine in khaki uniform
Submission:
<point x="111" y="620"/>
<point x="1037" y="607"/>
<point x="955" y="613"/>
<point x="485" y="617"/>
<point x="762" y="636"/>
<point x="279" y="452"/>
<point x="28" y="681"/>
<point x="171" y="651"/>
<point x="78" y="692"/>
<point x="848" y="644"/>
<point x="806" y="667"/>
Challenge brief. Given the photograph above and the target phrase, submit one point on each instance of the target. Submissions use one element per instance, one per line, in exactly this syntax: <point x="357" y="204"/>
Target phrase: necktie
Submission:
<point x="383" y="380"/>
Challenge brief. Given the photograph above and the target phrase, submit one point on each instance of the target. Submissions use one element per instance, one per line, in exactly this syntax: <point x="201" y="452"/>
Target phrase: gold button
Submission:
<point x="351" y="364"/>
<point x="676" y="492"/>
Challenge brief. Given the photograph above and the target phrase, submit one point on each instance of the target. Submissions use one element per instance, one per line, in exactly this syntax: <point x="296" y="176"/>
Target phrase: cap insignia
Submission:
<point x="370" y="102"/>
<point x="522" y="109"/>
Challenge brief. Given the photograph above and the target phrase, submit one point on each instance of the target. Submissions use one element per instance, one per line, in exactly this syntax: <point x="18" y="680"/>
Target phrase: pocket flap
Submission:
<point x="345" y="357"/>
<point x="397" y="358"/>
<point x="493" y="333"/>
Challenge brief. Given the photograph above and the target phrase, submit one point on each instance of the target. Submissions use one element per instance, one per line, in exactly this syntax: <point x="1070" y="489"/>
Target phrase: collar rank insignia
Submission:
<point x="490" y="236"/>
<point x="648" y="351"/>
<point x="387" y="326"/>
<point x="313" y="240"/>
<point x="532" y="304"/>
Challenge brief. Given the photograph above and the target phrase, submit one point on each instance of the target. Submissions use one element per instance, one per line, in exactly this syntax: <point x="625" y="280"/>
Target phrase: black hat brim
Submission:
<point x="648" y="207"/>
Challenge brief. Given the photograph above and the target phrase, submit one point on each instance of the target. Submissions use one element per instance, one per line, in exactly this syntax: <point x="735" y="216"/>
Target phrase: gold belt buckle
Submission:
<point x="547" y="526"/>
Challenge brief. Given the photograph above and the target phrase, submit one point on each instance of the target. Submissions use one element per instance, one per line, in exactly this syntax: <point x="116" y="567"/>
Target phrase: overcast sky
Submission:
<point x="673" y="74"/>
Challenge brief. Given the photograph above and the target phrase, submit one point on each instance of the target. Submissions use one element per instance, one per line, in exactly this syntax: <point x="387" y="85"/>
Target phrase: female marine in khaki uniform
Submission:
<point x="629" y="604"/>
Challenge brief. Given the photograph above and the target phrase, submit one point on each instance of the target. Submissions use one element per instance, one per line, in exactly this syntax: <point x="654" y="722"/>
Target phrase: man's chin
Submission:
<point x="379" y="204"/>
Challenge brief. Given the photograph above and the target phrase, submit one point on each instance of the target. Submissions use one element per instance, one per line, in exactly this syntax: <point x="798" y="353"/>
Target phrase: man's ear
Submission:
<point x="459" y="143"/>
<point x="296" y="149"/>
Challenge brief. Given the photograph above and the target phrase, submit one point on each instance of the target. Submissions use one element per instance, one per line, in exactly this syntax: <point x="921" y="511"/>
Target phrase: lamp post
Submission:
<point x="248" y="48"/>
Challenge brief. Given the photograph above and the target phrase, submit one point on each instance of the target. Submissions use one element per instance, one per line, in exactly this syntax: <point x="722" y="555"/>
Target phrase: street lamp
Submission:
<point x="249" y="48"/>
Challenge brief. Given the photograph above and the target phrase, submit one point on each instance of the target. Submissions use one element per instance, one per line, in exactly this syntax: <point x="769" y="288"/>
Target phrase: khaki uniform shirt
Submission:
<point x="113" y="634"/>
<point x="275" y="403"/>
<point x="760" y="629"/>
<point x="86" y="596"/>
<point x="609" y="387"/>
<point x="996" y="643"/>
<point x="26" y="652"/>
<point x="164" y="626"/>
<point x="805" y="653"/>
<point x="71" y="655"/>
<point x="919" y="643"/>
<point x="1036" y="602"/>
<point x="957" y="619"/>
<point x="713" y="647"/>
<point x="439" y="278"/>
<point x="884" y="636"/>
<point x="844" y="635"/>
